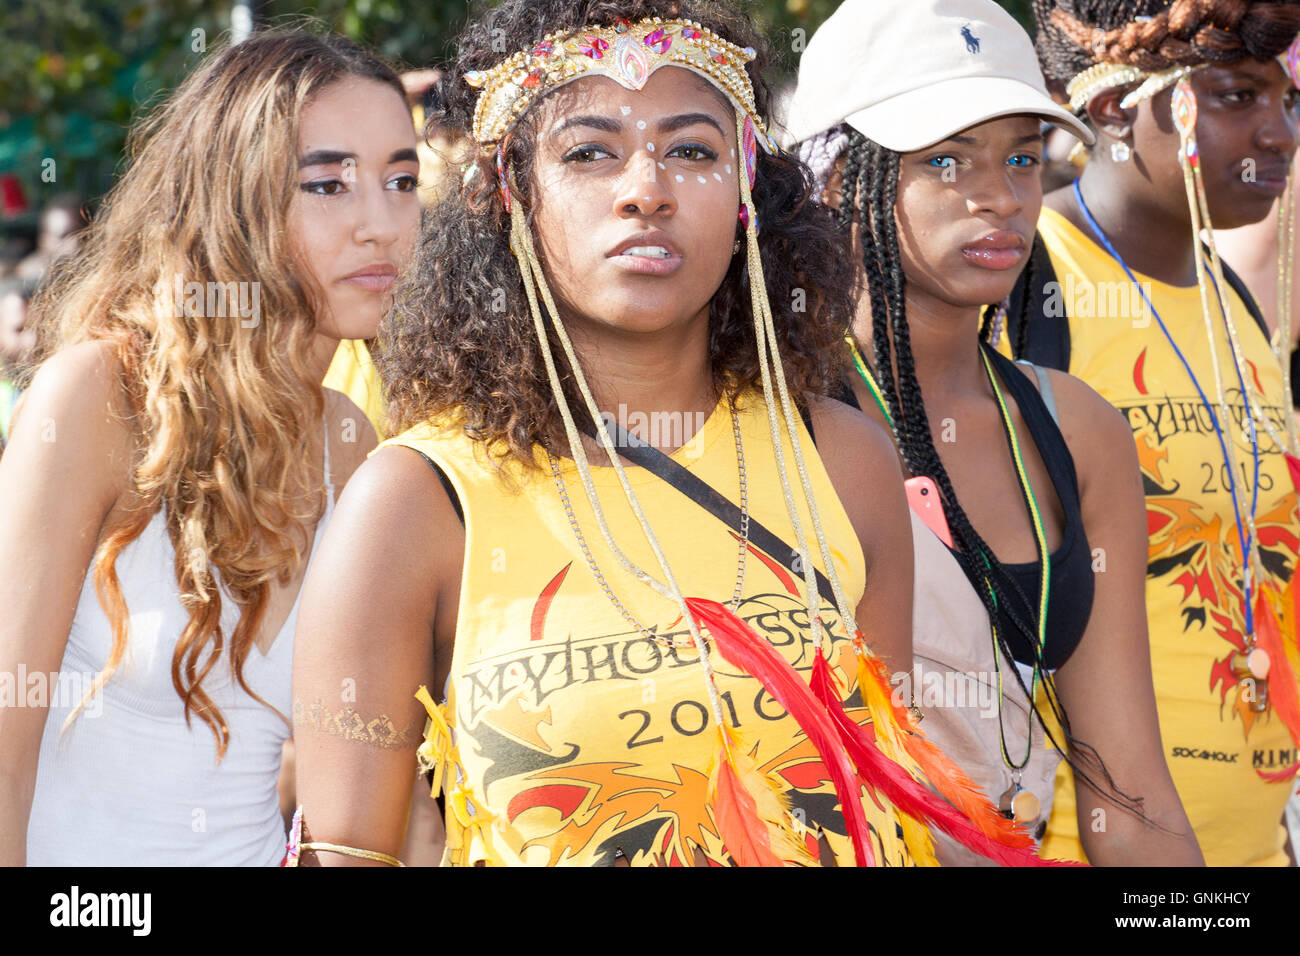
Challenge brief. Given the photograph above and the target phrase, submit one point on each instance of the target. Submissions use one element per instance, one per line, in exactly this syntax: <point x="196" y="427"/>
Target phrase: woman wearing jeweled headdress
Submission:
<point x="640" y="587"/>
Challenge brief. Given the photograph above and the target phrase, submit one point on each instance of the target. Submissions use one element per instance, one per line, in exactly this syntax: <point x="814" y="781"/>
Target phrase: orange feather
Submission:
<point x="940" y="771"/>
<point x="1281" y="681"/>
<point x="751" y="811"/>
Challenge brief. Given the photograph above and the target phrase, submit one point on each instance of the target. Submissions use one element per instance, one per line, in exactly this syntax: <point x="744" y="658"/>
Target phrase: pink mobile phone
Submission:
<point x="923" y="497"/>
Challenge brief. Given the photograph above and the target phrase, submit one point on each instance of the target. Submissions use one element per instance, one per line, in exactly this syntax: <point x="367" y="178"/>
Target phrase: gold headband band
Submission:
<point x="1106" y="76"/>
<point x="626" y="53"/>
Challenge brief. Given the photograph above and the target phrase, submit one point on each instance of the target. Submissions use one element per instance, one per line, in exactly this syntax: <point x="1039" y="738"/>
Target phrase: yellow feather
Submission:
<point x="771" y="804"/>
<point x="917" y="837"/>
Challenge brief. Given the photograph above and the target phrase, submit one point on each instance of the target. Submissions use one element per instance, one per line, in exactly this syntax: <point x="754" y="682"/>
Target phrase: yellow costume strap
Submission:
<point x="435" y="752"/>
<point x="476" y="838"/>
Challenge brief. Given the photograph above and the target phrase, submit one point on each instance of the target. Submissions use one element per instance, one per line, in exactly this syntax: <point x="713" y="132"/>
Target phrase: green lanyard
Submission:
<point x="1040" y="537"/>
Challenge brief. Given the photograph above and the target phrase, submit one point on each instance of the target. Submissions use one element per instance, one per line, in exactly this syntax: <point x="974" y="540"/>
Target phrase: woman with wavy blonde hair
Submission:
<point x="176" y="456"/>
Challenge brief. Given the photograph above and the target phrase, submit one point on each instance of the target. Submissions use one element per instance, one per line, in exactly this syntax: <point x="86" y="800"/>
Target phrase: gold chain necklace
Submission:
<point x="604" y="582"/>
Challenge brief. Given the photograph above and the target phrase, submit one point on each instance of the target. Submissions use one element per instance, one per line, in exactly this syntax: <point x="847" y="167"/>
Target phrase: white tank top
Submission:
<point x="129" y="783"/>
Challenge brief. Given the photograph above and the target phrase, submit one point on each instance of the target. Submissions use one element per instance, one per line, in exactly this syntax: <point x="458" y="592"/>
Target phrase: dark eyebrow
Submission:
<point x="332" y="157"/>
<point x="1031" y="138"/>
<point x="603" y="123"/>
<point x="324" y="157"/>
<point x="609" y="125"/>
<point x="682" y="120"/>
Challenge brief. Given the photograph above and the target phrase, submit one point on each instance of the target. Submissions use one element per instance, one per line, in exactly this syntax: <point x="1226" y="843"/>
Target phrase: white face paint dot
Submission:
<point x="727" y="168"/>
<point x="680" y="178"/>
<point x="701" y="179"/>
<point x="650" y="146"/>
<point x="661" y="165"/>
<point x="717" y="177"/>
<point x="640" y="124"/>
<point x="626" y="109"/>
<point x="733" y="153"/>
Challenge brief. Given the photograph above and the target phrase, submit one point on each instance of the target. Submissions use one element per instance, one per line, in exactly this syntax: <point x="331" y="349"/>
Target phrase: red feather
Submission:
<point x="1280" y="776"/>
<point x="1293" y="466"/>
<point x="910" y="796"/>
<point x="744" y="648"/>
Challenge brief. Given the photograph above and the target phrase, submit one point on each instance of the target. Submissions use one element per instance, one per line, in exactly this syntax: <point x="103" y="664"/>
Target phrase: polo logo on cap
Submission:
<point x="972" y="41"/>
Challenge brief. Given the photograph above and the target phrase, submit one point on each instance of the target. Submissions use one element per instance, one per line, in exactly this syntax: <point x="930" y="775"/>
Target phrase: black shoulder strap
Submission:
<point x="806" y="414"/>
<point x="1239" y="287"/>
<point x="1295" y="377"/>
<point x="844" y="393"/>
<point x="707" y="497"/>
<point x="446" y="484"/>
<point x="1048" y="343"/>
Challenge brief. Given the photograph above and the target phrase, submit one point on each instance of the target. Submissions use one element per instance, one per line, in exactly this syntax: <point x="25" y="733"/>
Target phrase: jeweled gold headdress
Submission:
<point x="627" y="53"/>
<point x="1105" y="76"/>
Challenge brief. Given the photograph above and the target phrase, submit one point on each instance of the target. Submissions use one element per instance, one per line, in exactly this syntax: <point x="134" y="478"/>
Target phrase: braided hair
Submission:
<point x="868" y="193"/>
<point x="1026" y="308"/>
<point x="1155" y="35"/>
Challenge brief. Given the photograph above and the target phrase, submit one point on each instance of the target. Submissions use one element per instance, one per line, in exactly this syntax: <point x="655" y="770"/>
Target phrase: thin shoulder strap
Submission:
<point x="329" y="482"/>
<point x="1044" y="389"/>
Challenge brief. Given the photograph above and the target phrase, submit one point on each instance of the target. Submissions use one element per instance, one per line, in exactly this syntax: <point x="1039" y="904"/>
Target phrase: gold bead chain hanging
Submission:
<point x="599" y="575"/>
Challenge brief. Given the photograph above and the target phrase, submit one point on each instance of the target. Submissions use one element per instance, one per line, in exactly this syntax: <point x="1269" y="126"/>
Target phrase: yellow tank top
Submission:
<point x="578" y="738"/>
<point x="353" y="373"/>
<point x="1215" y="745"/>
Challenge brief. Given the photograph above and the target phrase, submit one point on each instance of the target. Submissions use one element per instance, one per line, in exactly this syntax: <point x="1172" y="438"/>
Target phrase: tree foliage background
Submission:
<point x="73" y="73"/>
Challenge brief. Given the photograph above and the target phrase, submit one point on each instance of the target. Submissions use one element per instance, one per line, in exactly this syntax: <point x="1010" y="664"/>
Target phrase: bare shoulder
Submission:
<point x="1097" y="434"/>
<point x="352" y="437"/>
<point x="395" y="531"/>
<point x="85" y="378"/>
<point x="70" y="456"/>
<point x="77" y="405"/>
<point x="863" y="467"/>
<point x="849" y="442"/>
<point x="395" y="499"/>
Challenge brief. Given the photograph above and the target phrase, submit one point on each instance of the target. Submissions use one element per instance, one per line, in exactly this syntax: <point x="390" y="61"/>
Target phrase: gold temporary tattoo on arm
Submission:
<point x="350" y="725"/>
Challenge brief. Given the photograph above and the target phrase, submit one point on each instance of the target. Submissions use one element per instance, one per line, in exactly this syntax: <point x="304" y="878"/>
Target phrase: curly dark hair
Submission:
<point x="460" y="340"/>
<point x="1076" y="34"/>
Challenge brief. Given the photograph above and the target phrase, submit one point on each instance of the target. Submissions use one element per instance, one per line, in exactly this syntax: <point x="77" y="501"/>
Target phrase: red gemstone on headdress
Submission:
<point x="621" y="26"/>
<point x="658" y="41"/>
<point x="717" y="55"/>
<point x="744" y="217"/>
<point x="690" y="33"/>
<point x="544" y="49"/>
<point x="594" y="47"/>
<point x="533" y="78"/>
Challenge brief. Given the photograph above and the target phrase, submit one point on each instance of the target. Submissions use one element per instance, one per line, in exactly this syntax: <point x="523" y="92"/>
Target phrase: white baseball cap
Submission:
<point x="910" y="73"/>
